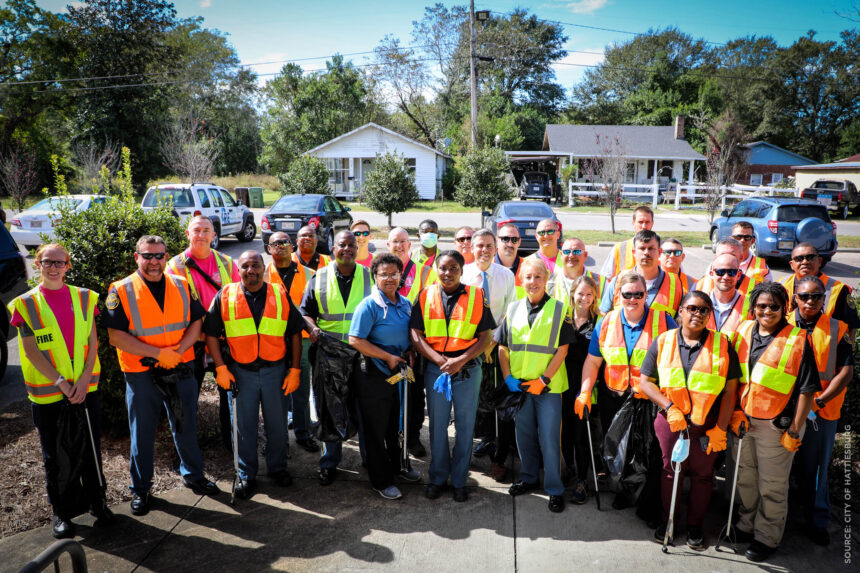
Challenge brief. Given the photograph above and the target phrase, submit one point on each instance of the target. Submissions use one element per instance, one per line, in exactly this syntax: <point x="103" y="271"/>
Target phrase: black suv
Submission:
<point x="13" y="282"/>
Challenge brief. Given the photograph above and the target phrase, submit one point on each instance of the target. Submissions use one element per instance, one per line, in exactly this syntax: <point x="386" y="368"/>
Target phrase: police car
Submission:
<point x="191" y="199"/>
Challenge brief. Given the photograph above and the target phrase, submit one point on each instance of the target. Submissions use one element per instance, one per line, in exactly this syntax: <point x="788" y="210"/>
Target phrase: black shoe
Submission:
<point x="203" y="486"/>
<point x="245" y="488"/>
<point x="758" y="551"/>
<point x="520" y="487"/>
<point x="556" y="503"/>
<point x="461" y="494"/>
<point x="433" y="491"/>
<point x="416" y="449"/>
<point x="62" y="528"/>
<point x="139" y="504"/>
<point x="579" y="496"/>
<point x="282" y="478"/>
<point x="484" y="448"/>
<point x="819" y="535"/>
<point x="660" y="534"/>
<point x="620" y="501"/>
<point x="695" y="538"/>
<point x="327" y="475"/>
<point x="309" y="444"/>
<point x="740" y="536"/>
<point x="104" y="516"/>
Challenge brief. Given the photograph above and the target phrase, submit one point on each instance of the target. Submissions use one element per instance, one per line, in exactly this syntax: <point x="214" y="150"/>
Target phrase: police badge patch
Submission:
<point x="112" y="302"/>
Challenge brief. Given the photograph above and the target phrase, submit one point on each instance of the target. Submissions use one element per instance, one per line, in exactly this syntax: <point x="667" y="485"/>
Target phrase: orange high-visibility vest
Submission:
<point x="247" y="340"/>
<point x="706" y="284"/>
<point x="148" y="322"/>
<point x="667" y="299"/>
<point x="758" y="266"/>
<point x="297" y="288"/>
<point x="765" y="392"/>
<point x="623" y="256"/>
<point x="323" y="261"/>
<point x="738" y="314"/>
<point x="694" y="393"/>
<point x="458" y="333"/>
<point x="623" y="371"/>
<point x="832" y="290"/>
<point x="825" y="338"/>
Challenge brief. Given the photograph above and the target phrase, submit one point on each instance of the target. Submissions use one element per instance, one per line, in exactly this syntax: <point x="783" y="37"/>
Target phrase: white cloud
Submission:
<point x="205" y="3"/>
<point x="570" y="69"/>
<point x="586" y="6"/>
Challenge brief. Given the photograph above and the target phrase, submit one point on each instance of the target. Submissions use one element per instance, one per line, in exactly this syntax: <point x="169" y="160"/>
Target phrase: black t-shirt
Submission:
<point x="565" y="336"/>
<point x="117" y="319"/>
<point x="577" y="352"/>
<point x="845" y="309"/>
<point x="287" y="274"/>
<point x="416" y="318"/>
<point x="214" y="323"/>
<point x="308" y="306"/>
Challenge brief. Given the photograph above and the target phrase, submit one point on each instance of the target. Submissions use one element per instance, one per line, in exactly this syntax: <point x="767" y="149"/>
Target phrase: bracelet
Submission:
<point x="821" y="403"/>
<point x="666" y="409"/>
<point x="794" y="435"/>
<point x="59" y="380"/>
<point x="545" y="380"/>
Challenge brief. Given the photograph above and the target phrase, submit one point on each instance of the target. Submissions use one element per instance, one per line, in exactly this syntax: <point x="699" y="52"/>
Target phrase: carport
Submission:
<point x="548" y="162"/>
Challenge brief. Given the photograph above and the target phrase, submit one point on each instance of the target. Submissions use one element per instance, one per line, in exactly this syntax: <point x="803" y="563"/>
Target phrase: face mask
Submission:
<point x="681" y="450"/>
<point x="429" y="240"/>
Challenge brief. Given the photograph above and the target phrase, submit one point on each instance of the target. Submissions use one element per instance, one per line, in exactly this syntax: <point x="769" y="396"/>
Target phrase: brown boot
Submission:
<point x="499" y="473"/>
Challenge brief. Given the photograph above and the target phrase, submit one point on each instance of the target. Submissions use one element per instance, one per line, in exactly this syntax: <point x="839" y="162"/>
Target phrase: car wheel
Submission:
<point x="715" y="238"/>
<point x="325" y="246"/>
<point x="845" y="211"/>
<point x="216" y="242"/>
<point x="248" y="232"/>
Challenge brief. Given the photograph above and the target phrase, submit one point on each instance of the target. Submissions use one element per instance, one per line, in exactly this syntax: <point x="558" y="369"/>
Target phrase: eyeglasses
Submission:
<point x="743" y="237"/>
<point x="512" y="240"/>
<point x="673" y="252"/>
<point x="693" y="309"/>
<point x="801" y="258"/>
<point x="463" y="239"/>
<point x="388" y="275"/>
<point x="361" y="233"/>
<point x="808" y="296"/>
<point x="48" y="263"/>
<point x="723" y="272"/>
<point x="150" y="256"/>
<point x="280" y="244"/>
<point x="763" y="306"/>
<point x="637" y="295"/>
<point x="549" y="232"/>
<point x="576" y="252"/>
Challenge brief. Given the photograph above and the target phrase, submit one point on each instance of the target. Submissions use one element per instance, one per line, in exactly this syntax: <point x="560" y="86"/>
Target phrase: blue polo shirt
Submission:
<point x="390" y="333"/>
<point x="632" y="332"/>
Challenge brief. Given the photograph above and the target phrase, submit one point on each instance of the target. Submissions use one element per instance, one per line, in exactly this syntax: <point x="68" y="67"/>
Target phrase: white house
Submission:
<point x="350" y="158"/>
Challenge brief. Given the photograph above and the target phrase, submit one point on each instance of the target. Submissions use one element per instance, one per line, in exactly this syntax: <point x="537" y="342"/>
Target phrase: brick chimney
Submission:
<point x="679" y="127"/>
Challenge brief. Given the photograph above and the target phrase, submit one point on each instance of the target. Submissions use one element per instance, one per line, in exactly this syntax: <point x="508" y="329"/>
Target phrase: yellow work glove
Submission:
<point x="168" y="357"/>
<point x="536" y="387"/>
<point x="583" y="403"/>
<point x="224" y="377"/>
<point x="292" y="381"/>
<point x="789" y="443"/>
<point x="676" y="419"/>
<point x="735" y="421"/>
<point x="716" y="440"/>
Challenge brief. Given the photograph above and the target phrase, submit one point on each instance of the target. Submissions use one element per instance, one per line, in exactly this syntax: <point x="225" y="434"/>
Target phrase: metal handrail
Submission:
<point x="50" y="556"/>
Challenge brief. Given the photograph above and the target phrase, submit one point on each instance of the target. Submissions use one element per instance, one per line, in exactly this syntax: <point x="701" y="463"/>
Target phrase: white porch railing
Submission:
<point x="675" y="193"/>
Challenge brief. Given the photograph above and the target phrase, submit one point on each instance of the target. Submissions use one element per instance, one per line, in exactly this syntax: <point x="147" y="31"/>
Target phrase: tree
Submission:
<point x="189" y="150"/>
<point x="390" y="187"/>
<point x="89" y="158"/>
<point x="608" y="169"/>
<point x="725" y="156"/>
<point x="483" y="181"/>
<point x="307" y="174"/>
<point x="18" y="175"/>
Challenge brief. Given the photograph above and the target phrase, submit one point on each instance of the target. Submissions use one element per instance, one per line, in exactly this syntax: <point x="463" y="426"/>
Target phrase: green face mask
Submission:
<point x="429" y="240"/>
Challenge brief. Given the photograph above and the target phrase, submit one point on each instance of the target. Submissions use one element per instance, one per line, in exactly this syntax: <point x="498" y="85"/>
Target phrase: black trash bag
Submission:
<point x="627" y="447"/>
<point x="507" y="403"/>
<point x="165" y="382"/>
<point x="73" y="443"/>
<point x="334" y="365"/>
<point x="489" y="386"/>
<point x="617" y="439"/>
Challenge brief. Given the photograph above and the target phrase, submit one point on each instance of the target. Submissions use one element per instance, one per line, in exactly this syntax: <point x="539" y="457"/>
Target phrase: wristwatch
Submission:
<point x="545" y="380"/>
<point x="60" y="380"/>
<point x="666" y="409"/>
<point x="794" y="435"/>
<point x="820" y="403"/>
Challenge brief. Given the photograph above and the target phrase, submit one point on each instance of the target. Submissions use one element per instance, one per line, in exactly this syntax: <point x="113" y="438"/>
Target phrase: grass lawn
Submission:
<point x="421" y="207"/>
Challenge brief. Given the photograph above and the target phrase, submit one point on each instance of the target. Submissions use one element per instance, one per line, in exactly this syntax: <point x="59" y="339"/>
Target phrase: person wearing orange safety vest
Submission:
<point x="307" y="255"/>
<point x="779" y="380"/>
<point x="730" y="306"/>
<point x="621" y="257"/>
<point x="751" y="265"/>
<point x="507" y="255"/>
<point x="294" y="277"/>
<point x="263" y="331"/>
<point x="151" y="315"/>
<point x="835" y="361"/>
<point x="671" y="258"/>
<point x="58" y="348"/>
<point x="450" y="326"/>
<point x="691" y="374"/>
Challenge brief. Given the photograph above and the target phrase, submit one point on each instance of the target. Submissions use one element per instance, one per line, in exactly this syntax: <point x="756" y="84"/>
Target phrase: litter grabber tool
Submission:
<point x="234" y="391"/>
<point x="680" y="453"/>
<point x="405" y="374"/>
<point x="93" y="445"/>
<point x="591" y="456"/>
<point x="729" y="531"/>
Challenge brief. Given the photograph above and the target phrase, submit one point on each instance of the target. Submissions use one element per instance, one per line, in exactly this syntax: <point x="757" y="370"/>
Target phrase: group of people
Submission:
<point x="521" y="349"/>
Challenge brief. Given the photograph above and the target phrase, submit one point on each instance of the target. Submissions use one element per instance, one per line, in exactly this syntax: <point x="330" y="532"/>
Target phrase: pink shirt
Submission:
<point x="366" y="262"/>
<point x="407" y="282"/>
<point x="550" y="263"/>
<point x="209" y="266"/>
<point x="60" y="303"/>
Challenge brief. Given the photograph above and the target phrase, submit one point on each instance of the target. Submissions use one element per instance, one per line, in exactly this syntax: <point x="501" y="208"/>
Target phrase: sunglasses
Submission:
<point x="762" y="306"/>
<point x="361" y="233"/>
<point x="673" y="252"/>
<point x="723" y="272"/>
<point x="48" y="263"/>
<point x="512" y="240"/>
<point x="463" y="239"/>
<point x="808" y="296"/>
<point x="743" y="237"/>
<point x="548" y="232"/>
<point x="801" y="258"/>
<point x="637" y="295"/>
<point x="150" y="256"/>
<point x="279" y="244"/>
<point x="693" y="309"/>
<point x="576" y="252"/>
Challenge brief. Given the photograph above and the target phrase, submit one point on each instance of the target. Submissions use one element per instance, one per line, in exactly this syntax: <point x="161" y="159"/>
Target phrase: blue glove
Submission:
<point x="443" y="385"/>
<point x="513" y="384"/>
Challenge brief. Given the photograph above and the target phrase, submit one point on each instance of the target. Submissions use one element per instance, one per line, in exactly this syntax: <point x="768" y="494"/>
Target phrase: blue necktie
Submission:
<point x="485" y="284"/>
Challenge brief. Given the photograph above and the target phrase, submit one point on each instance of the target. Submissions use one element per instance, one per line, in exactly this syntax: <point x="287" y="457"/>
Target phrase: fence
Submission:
<point x="674" y="193"/>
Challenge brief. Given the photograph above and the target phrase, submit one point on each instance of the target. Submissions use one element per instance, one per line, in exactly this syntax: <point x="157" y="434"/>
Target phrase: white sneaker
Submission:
<point x="391" y="492"/>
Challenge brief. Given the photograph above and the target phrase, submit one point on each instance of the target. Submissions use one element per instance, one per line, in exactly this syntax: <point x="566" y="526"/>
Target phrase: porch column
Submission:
<point x="690" y="176"/>
<point x="350" y="185"/>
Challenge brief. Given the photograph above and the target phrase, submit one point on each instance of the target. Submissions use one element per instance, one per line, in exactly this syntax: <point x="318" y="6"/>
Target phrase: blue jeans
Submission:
<point x="814" y="459"/>
<point x="464" y="390"/>
<point x="144" y="404"/>
<point x="538" y="427"/>
<point x="299" y="401"/>
<point x="257" y="389"/>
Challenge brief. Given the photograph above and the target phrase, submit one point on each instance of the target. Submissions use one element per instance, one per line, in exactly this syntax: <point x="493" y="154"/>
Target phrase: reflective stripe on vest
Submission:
<point x="757" y="266"/>
<point x="832" y="291"/>
<point x="334" y="314"/>
<point x="424" y="275"/>
<point x="225" y="269"/>
<point x="667" y="299"/>
<point x="297" y="287"/>
<point x="693" y="393"/>
<point x="825" y="339"/>
<point x="621" y="371"/>
<point x="322" y="262"/>
<point x="738" y="313"/>
<point x="458" y="333"/>
<point x="532" y="347"/>
<point x="49" y="339"/>
<point x="247" y="340"/>
<point x="629" y="261"/>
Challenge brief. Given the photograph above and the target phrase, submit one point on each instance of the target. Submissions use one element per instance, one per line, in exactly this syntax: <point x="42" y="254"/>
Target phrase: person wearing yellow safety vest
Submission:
<point x="671" y="259"/>
<point x="778" y="383"/>
<point x="533" y="341"/>
<point x="507" y="254"/>
<point x="573" y="255"/>
<point x="307" y="255"/>
<point x="450" y="326"/>
<point x="263" y="331"/>
<point x="428" y="235"/>
<point x="835" y="361"/>
<point x="59" y="361"/>
<point x="294" y="277"/>
<point x="585" y="313"/>
<point x="549" y="237"/>
<point x="751" y="265"/>
<point x="622" y="339"/>
<point x="621" y="257"/>
<point x="327" y="306"/>
<point x="663" y="290"/>
<point x="691" y="374"/>
<point x="150" y="315"/>
<point x="729" y="306"/>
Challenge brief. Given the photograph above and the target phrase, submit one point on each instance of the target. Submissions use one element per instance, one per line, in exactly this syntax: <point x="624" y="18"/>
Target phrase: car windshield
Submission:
<point x="797" y="213"/>
<point x="828" y="185"/>
<point x="529" y="210"/>
<point x="175" y="196"/>
<point x="297" y="204"/>
<point x="535" y="177"/>
<point x="53" y="203"/>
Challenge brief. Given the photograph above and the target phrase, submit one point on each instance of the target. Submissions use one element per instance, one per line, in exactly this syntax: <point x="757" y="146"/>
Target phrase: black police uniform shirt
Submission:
<point x="449" y="301"/>
<point x="115" y="316"/>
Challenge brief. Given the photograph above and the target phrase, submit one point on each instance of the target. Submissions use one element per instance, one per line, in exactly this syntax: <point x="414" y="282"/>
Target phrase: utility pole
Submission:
<point x="473" y="74"/>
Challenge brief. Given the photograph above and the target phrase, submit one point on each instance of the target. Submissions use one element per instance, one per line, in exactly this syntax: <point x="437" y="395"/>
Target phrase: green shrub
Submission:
<point x="307" y="174"/>
<point x="482" y="178"/>
<point x="390" y="187"/>
<point x="450" y="180"/>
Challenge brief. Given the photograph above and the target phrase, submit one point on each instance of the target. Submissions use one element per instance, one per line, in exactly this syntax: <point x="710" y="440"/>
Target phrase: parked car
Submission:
<point x="779" y="224"/>
<point x="13" y="282"/>
<point x="228" y="216"/>
<point x="525" y="216"/>
<point x="839" y="196"/>
<point x="29" y="225"/>
<point x="536" y="185"/>
<point x="292" y="212"/>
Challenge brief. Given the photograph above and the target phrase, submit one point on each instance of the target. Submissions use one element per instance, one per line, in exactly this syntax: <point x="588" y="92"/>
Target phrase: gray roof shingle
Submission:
<point x="638" y="141"/>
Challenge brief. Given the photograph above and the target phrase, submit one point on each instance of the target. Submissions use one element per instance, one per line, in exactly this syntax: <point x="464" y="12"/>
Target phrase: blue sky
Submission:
<point x="270" y="30"/>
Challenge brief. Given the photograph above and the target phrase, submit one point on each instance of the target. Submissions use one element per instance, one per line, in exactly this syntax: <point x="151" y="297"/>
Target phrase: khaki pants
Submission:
<point x="763" y="482"/>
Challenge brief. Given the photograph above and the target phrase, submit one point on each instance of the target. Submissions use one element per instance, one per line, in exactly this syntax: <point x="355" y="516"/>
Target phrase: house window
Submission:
<point x="755" y="178"/>
<point x="776" y="178"/>
<point x="339" y="169"/>
<point x="410" y="165"/>
<point x="630" y="175"/>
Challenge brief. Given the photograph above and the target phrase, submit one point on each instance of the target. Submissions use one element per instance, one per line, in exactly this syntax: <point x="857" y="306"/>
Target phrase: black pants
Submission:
<point x="379" y="404"/>
<point x="574" y="435"/>
<point x="417" y="401"/>
<point x="46" y="418"/>
<point x="485" y="418"/>
<point x="200" y="370"/>
<point x="505" y="441"/>
<point x="609" y="403"/>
